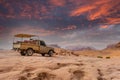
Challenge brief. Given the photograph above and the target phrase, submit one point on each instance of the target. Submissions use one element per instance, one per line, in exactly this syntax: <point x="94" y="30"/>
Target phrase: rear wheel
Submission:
<point x="30" y="52"/>
<point x="50" y="53"/>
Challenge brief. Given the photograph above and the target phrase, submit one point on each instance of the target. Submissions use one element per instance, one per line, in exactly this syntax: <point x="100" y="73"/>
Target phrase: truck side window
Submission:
<point x="42" y="43"/>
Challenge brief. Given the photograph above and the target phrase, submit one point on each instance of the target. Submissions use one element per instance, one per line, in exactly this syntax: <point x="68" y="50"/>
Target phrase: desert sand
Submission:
<point x="59" y="67"/>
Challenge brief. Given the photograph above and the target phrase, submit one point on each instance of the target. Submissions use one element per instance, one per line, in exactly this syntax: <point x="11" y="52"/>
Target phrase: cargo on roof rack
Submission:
<point x="24" y="35"/>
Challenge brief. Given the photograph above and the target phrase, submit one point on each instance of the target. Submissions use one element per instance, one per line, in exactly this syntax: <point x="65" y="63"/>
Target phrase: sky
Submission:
<point x="94" y="23"/>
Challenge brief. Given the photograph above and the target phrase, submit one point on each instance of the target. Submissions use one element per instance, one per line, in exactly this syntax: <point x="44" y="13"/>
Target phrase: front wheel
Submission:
<point x="30" y="52"/>
<point x="22" y="53"/>
<point x="50" y="53"/>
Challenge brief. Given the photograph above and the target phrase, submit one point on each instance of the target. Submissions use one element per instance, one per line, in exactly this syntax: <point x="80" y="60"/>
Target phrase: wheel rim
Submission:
<point x="50" y="53"/>
<point x="29" y="52"/>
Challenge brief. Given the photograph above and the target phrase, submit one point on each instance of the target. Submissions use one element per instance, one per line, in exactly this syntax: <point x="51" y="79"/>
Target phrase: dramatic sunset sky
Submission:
<point x="93" y="23"/>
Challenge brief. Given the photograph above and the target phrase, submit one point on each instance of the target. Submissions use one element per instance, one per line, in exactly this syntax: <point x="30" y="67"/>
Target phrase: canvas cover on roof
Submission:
<point x="24" y="35"/>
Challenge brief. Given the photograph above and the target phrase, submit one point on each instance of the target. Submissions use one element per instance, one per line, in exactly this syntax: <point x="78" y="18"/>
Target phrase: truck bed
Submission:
<point x="24" y="46"/>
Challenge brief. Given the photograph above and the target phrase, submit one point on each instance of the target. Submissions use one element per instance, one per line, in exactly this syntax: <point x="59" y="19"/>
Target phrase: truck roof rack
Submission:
<point x="24" y="35"/>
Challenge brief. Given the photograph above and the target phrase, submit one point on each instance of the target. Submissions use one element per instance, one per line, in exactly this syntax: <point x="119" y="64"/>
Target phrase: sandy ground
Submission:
<point x="16" y="67"/>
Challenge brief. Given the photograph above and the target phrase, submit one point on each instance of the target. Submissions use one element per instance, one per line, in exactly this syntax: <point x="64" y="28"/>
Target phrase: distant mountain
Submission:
<point x="118" y="45"/>
<point x="111" y="46"/>
<point x="54" y="46"/>
<point x="79" y="48"/>
<point x="1" y="49"/>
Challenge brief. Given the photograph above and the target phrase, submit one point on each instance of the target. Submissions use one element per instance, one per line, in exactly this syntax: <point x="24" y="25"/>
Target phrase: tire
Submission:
<point x="50" y="53"/>
<point x="22" y="53"/>
<point x="43" y="54"/>
<point x="30" y="52"/>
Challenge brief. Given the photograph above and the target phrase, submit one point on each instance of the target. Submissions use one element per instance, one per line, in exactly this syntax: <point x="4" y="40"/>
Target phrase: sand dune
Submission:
<point x="59" y="67"/>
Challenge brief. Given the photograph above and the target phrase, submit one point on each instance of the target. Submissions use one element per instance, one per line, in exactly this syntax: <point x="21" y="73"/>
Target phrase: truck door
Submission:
<point x="43" y="47"/>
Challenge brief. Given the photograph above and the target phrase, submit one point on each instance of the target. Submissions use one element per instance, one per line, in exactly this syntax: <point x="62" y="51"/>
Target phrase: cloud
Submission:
<point x="103" y="10"/>
<point x="104" y="26"/>
<point x="1" y="28"/>
<point x="70" y="27"/>
<point x="99" y="9"/>
<point x="70" y="35"/>
<point x="57" y="2"/>
<point x="25" y="10"/>
<point x="93" y="37"/>
<point x="93" y="8"/>
<point x="62" y="21"/>
<point x="113" y="20"/>
<point x="81" y="10"/>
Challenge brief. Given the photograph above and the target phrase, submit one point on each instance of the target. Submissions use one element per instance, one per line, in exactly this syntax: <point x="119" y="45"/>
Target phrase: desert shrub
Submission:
<point x="99" y="57"/>
<point x="108" y="57"/>
<point x="44" y="76"/>
<point x="22" y="78"/>
<point x="78" y="75"/>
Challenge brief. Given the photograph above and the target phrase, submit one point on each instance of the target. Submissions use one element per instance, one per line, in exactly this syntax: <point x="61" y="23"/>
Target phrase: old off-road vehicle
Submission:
<point x="30" y="46"/>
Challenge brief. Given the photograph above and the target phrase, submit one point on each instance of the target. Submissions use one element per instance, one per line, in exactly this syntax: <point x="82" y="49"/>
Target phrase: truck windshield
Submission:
<point x="42" y="43"/>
